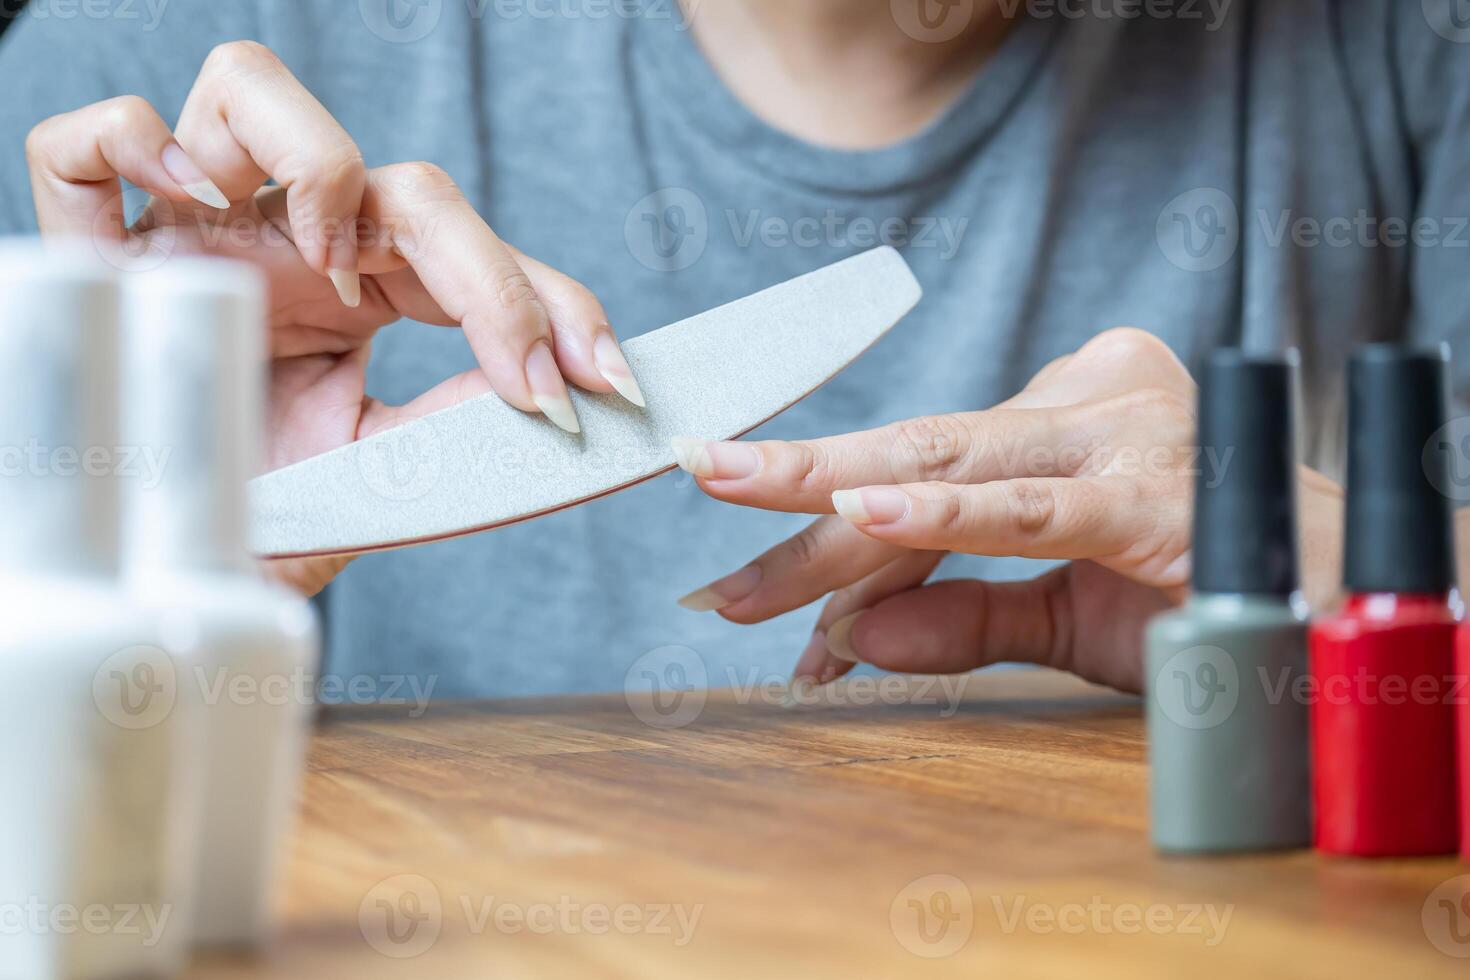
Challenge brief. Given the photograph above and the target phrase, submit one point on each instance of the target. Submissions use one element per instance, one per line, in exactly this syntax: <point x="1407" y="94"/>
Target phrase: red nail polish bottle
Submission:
<point x="1463" y="725"/>
<point x="1382" y="668"/>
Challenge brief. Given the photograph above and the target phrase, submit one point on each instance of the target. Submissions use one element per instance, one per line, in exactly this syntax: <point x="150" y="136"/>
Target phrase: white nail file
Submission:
<point x="483" y="464"/>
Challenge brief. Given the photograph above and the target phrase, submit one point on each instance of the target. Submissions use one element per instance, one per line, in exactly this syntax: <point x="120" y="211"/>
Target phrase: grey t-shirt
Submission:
<point x="1242" y="172"/>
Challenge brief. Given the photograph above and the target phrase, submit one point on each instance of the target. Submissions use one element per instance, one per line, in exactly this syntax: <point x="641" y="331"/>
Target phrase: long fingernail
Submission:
<point x="717" y="460"/>
<point x="187" y="174"/>
<point x="799" y="692"/>
<point x="348" y="284"/>
<point x="726" y="592"/>
<point x="548" y="390"/>
<point x="872" y="505"/>
<point x="812" y="657"/>
<point x="839" y="638"/>
<point x="613" y="366"/>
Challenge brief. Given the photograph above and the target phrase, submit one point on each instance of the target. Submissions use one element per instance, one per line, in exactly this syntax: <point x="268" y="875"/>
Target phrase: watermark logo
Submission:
<point x="402" y="916"/>
<point x="403" y="463"/>
<point x="139" y="243"/>
<point x="933" y="916"/>
<point x="932" y="21"/>
<point x="1199" y="231"/>
<point x="1099" y="916"/>
<point x="147" y="923"/>
<point x="148" y="14"/>
<point x="1197" y="688"/>
<point x="1446" y="917"/>
<point x="1446" y="459"/>
<point x="1450" y="19"/>
<point x="667" y="687"/>
<point x="668" y="230"/>
<point x="136" y="687"/>
<point x="401" y="21"/>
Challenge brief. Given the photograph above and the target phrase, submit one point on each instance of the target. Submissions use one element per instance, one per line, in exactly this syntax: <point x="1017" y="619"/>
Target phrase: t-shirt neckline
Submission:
<point x="668" y="51"/>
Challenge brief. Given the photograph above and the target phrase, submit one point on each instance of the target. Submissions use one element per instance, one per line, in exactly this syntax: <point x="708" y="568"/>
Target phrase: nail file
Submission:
<point x="483" y="464"/>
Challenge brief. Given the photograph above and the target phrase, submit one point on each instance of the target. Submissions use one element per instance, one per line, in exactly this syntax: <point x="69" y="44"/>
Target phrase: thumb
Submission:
<point x="958" y="625"/>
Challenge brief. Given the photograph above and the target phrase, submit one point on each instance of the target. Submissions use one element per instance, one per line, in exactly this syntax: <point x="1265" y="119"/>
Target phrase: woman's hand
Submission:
<point x="347" y="250"/>
<point x="1093" y="462"/>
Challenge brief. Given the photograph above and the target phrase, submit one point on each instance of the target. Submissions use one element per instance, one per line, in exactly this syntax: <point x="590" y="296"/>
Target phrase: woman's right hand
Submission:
<point x="347" y="250"/>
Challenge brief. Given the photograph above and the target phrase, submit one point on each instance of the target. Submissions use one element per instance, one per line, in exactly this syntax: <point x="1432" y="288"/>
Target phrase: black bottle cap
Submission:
<point x="1399" y="526"/>
<point x="1245" y="493"/>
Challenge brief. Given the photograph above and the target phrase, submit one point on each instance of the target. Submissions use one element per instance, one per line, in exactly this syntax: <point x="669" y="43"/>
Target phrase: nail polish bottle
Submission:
<point x="1227" y="726"/>
<point x="1383" y="752"/>
<point x="99" y="768"/>
<point x="1462" y="729"/>
<point x="195" y="386"/>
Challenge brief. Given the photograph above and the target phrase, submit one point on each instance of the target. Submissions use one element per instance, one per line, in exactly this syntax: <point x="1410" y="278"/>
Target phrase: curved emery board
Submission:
<point x="483" y="463"/>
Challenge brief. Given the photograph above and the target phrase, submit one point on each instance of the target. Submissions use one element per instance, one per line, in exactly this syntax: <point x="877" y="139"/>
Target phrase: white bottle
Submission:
<point x="194" y="381"/>
<point x="98" y="774"/>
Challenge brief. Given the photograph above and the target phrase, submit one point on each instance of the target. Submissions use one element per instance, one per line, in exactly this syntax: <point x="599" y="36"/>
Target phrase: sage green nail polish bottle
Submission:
<point x="1224" y="674"/>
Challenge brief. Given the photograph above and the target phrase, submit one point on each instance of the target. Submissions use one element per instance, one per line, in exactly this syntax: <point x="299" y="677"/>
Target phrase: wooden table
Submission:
<point x="883" y="832"/>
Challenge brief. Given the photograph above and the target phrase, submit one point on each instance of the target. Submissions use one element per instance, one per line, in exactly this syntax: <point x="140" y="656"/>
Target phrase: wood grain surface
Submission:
<point x="885" y="831"/>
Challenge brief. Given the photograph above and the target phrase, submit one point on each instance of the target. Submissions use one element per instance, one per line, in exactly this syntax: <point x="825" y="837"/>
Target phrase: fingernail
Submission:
<point x="872" y="505"/>
<point x="194" y="181"/>
<point x="839" y="639"/>
<point x="812" y="657"/>
<point x="348" y="284"/>
<point x="613" y="366"/>
<point x="726" y="592"/>
<point x="717" y="460"/>
<point x="799" y="692"/>
<point x="548" y="390"/>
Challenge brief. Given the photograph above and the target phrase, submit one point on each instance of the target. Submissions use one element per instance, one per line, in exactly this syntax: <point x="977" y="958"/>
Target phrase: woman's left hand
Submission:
<point x="1093" y="463"/>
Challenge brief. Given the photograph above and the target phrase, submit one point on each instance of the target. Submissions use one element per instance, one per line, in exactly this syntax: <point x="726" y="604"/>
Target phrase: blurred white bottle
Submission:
<point x="194" y="390"/>
<point x="98" y="774"/>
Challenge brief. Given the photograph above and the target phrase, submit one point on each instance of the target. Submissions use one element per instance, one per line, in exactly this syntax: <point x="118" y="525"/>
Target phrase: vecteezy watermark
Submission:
<point x="667" y="230"/>
<point x="144" y="464"/>
<point x="833" y="229"/>
<point x="408" y="21"/>
<point x="1197" y="688"/>
<point x="1450" y="19"/>
<point x="403" y="917"/>
<point x="147" y="14"/>
<point x="1446" y="917"/>
<point x="409" y="461"/>
<point x="938" y="21"/>
<point x="932" y="916"/>
<point x="1363" y="687"/>
<point x="1201" y="230"/>
<point x="1446" y="459"/>
<point x="1098" y="916"/>
<point x="35" y="917"/>
<point x="669" y="687"/>
<point x="670" y="229"/>
<point x="137" y="687"/>
<point x="1201" y="687"/>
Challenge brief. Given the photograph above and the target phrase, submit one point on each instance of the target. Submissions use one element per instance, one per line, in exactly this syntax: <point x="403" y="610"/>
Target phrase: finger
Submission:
<point x="248" y="119"/>
<point x="817" y="664"/>
<point x="1142" y="522"/>
<point x="963" y="448"/>
<point x="586" y="347"/>
<point x="826" y="555"/>
<point x="954" y="626"/>
<point x="432" y="258"/>
<point x="76" y="159"/>
<point x="1113" y="363"/>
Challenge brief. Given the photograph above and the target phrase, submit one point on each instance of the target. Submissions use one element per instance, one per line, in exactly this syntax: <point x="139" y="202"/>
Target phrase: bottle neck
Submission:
<point x="60" y="519"/>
